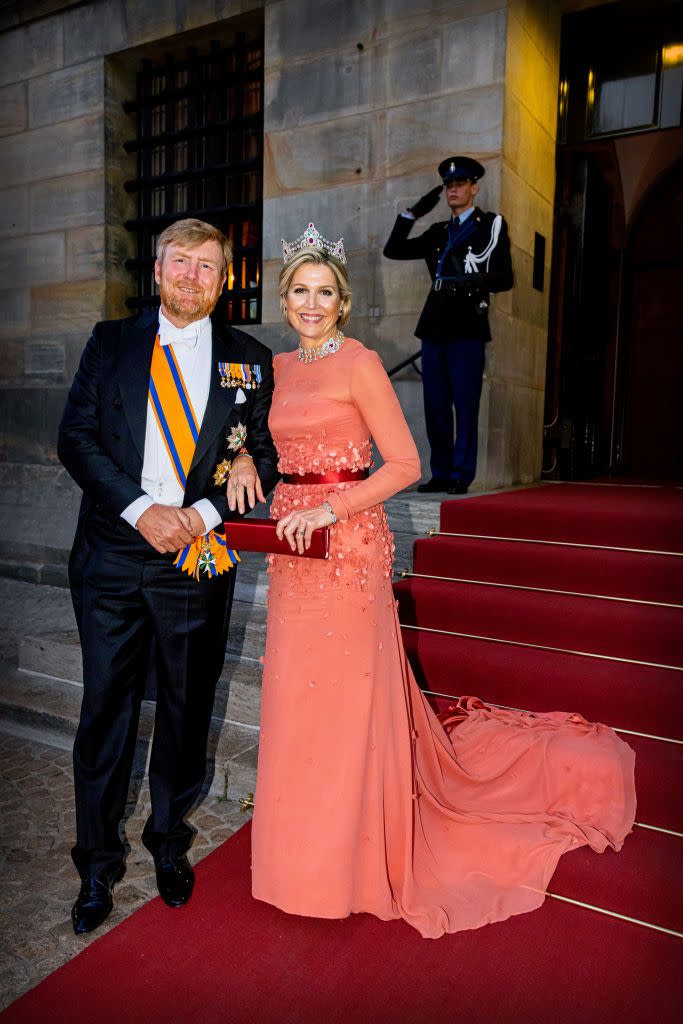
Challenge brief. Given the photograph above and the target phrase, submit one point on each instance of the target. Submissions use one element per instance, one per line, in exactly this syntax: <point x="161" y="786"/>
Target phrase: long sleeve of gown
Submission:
<point x="375" y="398"/>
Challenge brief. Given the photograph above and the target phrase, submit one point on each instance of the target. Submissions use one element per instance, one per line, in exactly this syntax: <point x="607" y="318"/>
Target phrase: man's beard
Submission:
<point x="194" y="307"/>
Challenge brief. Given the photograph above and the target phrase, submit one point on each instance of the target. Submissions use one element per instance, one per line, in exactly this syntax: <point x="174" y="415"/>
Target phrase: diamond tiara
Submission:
<point x="311" y="238"/>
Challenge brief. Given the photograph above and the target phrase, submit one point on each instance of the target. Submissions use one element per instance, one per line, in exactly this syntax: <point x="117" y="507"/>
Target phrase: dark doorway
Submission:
<point x="615" y="365"/>
<point x="652" y="432"/>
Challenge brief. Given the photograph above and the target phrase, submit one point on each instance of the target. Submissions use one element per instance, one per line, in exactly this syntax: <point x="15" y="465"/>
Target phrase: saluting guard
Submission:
<point x="468" y="257"/>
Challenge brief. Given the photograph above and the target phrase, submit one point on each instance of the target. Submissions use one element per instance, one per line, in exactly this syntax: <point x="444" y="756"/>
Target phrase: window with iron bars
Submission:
<point x="199" y="149"/>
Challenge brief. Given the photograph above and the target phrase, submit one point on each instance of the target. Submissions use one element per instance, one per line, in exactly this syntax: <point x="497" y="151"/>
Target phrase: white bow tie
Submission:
<point x="188" y="336"/>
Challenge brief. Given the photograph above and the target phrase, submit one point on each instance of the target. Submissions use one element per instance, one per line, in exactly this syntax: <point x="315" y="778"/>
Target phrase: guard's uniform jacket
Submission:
<point x="466" y="262"/>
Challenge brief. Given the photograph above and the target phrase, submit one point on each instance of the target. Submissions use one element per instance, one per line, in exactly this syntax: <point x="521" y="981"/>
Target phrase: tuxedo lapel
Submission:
<point x="137" y="346"/>
<point x="221" y="400"/>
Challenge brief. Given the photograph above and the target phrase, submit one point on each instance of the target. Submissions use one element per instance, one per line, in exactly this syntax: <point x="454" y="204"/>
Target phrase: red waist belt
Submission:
<point x="343" y="476"/>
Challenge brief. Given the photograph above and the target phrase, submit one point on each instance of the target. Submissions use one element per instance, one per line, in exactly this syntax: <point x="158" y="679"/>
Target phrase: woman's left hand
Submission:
<point x="298" y="526"/>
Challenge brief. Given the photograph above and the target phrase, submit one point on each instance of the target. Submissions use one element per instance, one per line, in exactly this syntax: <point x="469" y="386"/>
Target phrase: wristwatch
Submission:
<point x="328" y="508"/>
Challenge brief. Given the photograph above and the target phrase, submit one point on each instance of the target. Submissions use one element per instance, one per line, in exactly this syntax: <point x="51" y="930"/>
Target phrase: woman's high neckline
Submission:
<point x="328" y="348"/>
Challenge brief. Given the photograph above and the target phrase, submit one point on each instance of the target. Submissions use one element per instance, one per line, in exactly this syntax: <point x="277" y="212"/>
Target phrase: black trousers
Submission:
<point x="452" y="373"/>
<point x="138" y="614"/>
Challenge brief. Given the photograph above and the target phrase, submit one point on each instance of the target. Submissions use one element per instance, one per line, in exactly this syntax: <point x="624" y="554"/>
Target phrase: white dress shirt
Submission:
<point x="192" y="349"/>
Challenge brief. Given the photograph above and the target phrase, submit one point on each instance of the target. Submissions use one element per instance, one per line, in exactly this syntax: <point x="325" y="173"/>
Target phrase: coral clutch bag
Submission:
<point x="260" y="535"/>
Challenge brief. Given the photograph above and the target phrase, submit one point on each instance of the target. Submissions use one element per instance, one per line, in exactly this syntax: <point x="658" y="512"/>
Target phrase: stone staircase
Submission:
<point x="41" y="659"/>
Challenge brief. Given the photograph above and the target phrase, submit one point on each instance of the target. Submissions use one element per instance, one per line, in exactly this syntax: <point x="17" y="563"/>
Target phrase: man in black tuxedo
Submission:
<point x="468" y="257"/>
<point x="138" y="614"/>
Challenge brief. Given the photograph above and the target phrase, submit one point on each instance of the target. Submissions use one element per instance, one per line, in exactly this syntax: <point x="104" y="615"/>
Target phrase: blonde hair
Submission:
<point x="311" y="255"/>
<point x="193" y="233"/>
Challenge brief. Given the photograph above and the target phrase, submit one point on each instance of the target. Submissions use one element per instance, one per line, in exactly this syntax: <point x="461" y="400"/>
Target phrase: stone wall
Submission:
<point x="363" y="99"/>
<point x="512" y="424"/>
<point x="62" y="170"/>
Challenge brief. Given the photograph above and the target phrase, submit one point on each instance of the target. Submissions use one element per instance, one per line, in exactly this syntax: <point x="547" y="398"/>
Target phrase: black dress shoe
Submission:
<point x="94" y="903"/>
<point x="457" y="487"/>
<point x="175" y="880"/>
<point x="433" y="486"/>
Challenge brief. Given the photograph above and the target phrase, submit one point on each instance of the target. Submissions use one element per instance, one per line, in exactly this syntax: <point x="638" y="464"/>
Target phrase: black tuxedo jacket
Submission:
<point x="446" y="315"/>
<point x="102" y="433"/>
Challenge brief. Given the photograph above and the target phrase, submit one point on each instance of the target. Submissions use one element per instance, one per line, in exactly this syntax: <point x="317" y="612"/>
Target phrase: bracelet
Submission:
<point x="328" y="508"/>
<point x="243" y="451"/>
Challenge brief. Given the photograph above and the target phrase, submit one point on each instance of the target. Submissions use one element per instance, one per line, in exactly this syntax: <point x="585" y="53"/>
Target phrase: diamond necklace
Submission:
<point x="328" y="348"/>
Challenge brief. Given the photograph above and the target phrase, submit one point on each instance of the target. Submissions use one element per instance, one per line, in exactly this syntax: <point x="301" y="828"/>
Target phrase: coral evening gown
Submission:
<point x="364" y="801"/>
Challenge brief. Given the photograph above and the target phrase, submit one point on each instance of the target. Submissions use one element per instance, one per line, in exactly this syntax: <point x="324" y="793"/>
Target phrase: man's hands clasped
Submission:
<point x="298" y="526"/>
<point x="169" y="529"/>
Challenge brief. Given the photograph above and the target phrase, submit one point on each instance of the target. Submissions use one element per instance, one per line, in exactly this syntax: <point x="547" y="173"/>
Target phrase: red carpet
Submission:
<point x="566" y="608"/>
<point x="625" y="516"/>
<point x="634" y="631"/>
<point x="226" y="958"/>
<point x="626" y="696"/>
<point x="615" y="573"/>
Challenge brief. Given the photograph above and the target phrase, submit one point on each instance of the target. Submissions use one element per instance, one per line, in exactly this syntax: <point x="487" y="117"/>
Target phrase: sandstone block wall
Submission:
<point x="512" y="442"/>
<point x="362" y="101"/>
<point x="63" y="77"/>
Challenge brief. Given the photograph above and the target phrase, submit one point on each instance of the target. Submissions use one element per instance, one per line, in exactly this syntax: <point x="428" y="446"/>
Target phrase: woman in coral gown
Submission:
<point x="364" y="801"/>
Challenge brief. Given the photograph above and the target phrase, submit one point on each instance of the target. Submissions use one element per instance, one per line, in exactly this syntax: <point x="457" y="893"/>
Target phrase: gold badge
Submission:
<point x="222" y="472"/>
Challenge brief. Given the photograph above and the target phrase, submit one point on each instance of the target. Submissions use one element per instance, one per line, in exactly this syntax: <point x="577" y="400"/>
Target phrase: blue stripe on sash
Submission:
<point x="167" y="433"/>
<point x="181" y="392"/>
<point x="183" y="556"/>
<point x="229" y="551"/>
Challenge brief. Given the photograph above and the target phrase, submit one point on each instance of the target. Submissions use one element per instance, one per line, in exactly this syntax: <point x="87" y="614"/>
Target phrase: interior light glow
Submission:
<point x="672" y="55"/>
<point x="564" y="92"/>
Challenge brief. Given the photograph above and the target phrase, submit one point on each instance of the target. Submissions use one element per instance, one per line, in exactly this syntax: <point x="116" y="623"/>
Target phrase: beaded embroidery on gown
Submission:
<point x="364" y="801"/>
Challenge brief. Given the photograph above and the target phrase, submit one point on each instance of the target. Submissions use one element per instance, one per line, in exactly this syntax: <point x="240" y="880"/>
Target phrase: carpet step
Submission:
<point x="641" y="881"/>
<point x="616" y="629"/>
<point x="633" y="517"/>
<point x="659" y="782"/>
<point x="627" y="696"/>
<point x="582" y="570"/>
<point x="48" y="705"/>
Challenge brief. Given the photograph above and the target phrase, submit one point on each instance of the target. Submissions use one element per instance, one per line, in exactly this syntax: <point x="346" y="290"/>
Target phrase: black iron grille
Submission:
<point x="199" y="153"/>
